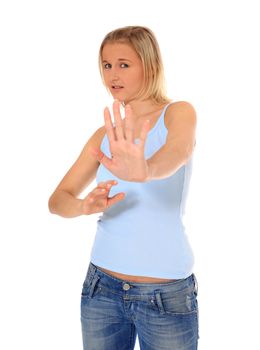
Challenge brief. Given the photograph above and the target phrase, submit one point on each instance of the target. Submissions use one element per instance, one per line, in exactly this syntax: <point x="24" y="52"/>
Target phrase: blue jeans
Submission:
<point x="114" y="311"/>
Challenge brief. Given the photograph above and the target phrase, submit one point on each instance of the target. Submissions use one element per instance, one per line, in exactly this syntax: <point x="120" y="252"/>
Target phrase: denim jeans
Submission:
<point x="114" y="311"/>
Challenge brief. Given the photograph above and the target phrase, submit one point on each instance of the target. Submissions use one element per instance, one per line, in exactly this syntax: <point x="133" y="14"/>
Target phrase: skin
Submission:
<point x="125" y="152"/>
<point x="129" y="74"/>
<point x="122" y="66"/>
<point x="180" y="120"/>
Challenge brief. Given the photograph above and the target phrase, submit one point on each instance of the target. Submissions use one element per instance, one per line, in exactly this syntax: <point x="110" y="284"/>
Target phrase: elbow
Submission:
<point x="187" y="156"/>
<point x="51" y="205"/>
<point x="186" y="152"/>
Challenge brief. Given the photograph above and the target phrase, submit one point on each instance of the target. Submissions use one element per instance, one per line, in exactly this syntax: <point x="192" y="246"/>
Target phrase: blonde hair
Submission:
<point x="143" y="41"/>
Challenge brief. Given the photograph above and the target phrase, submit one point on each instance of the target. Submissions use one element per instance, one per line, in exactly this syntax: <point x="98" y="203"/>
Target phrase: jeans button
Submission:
<point x="126" y="286"/>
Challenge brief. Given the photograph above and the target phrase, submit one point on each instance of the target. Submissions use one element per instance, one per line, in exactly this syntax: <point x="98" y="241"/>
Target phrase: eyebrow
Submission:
<point x="120" y="59"/>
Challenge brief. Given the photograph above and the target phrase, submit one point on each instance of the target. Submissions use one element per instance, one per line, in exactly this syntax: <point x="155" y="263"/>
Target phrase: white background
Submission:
<point x="52" y="100"/>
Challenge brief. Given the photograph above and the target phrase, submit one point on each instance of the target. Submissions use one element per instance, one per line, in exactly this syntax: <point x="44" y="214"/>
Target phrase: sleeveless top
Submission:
<point x="143" y="234"/>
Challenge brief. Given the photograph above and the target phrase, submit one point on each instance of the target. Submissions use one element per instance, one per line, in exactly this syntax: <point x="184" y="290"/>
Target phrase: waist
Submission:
<point x="132" y="278"/>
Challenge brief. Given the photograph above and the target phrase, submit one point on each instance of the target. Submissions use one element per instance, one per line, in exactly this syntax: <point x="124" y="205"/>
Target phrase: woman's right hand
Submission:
<point x="97" y="200"/>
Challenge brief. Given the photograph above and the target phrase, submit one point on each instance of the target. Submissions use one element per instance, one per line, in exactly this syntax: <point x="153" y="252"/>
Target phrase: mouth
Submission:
<point x="117" y="87"/>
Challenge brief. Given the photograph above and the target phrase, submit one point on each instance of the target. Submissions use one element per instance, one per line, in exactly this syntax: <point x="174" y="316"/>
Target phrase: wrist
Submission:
<point x="80" y="207"/>
<point x="150" y="169"/>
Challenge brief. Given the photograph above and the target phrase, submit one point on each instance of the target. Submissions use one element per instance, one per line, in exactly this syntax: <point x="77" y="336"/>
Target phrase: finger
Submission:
<point x="113" y="200"/>
<point x="104" y="184"/>
<point x="111" y="183"/>
<point x="118" y="120"/>
<point x="108" y="186"/>
<point x="101" y="157"/>
<point x="104" y="188"/>
<point x="97" y="194"/>
<point x="129" y="124"/>
<point x="144" y="132"/>
<point x="99" y="191"/>
<point x="109" y="126"/>
<point x="97" y="153"/>
<point x="114" y="182"/>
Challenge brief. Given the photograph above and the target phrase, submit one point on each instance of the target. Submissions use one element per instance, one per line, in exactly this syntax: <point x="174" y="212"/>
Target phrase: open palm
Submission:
<point x="128" y="162"/>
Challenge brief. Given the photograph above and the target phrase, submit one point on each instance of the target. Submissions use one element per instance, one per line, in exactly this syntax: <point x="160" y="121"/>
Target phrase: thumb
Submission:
<point x="101" y="157"/>
<point x="96" y="153"/>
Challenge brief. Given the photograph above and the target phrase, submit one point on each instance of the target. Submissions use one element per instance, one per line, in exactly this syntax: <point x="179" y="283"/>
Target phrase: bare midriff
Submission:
<point x="131" y="278"/>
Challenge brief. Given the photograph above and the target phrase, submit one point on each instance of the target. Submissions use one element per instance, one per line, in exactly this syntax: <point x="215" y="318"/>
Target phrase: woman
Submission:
<point x="139" y="279"/>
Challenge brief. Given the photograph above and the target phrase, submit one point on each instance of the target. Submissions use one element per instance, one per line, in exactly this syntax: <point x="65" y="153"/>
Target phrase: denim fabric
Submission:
<point x="115" y="311"/>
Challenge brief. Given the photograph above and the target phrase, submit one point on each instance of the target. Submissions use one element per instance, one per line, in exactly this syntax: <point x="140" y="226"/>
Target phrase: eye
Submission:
<point x="125" y="65"/>
<point x="107" y="65"/>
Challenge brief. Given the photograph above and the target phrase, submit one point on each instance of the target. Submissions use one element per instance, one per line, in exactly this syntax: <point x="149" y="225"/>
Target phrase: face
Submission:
<point x="122" y="70"/>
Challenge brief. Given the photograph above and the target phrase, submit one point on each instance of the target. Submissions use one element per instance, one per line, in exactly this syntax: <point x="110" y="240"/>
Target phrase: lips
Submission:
<point x="117" y="87"/>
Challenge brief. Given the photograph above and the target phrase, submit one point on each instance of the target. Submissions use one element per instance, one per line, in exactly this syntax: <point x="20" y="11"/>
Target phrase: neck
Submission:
<point x="142" y="108"/>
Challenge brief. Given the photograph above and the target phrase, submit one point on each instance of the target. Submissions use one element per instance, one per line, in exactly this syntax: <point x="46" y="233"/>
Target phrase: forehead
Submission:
<point x="118" y="50"/>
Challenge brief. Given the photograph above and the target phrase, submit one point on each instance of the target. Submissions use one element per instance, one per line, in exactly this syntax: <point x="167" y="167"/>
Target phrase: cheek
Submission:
<point x="105" y="78"/>
<point x="136" y="79"/>
<point x="139" y="77"/>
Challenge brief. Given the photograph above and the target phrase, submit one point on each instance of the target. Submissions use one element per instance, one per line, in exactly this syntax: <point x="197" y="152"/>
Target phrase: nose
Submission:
<point x="114" y="75"/>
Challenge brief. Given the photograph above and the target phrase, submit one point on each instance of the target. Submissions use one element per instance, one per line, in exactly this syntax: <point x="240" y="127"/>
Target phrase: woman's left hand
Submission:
<point x="128" y="162"/>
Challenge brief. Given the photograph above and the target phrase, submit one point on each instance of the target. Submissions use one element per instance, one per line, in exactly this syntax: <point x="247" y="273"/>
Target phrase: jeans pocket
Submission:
<point x="181" y="302"/>
<point x="91" y="288"/>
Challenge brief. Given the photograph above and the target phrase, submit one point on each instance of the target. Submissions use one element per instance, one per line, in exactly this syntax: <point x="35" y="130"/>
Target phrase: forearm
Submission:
<point x="64" y="204"/>
<point x="165" y="163"/>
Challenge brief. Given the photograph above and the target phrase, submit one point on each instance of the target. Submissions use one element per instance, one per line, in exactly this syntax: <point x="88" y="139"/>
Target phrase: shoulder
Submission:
<point x="180" y="111"/>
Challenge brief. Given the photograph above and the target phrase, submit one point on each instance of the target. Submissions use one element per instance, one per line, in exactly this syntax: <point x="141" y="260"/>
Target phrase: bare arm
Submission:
<point x="64" y="201"/>
<point x="64" y="204"/>
<point x="181" y="118"/>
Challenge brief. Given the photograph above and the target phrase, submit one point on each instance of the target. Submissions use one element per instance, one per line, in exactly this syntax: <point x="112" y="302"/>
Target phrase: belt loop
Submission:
<point x="159" y="301"/>
<point x="92" y="272"/>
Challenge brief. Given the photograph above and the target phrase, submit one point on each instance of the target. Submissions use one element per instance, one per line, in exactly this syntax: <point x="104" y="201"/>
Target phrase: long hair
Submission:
<point x="144" y="42"/>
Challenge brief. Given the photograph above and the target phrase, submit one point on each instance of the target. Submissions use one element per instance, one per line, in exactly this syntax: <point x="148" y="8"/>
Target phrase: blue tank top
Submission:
<point x="144" y="235"/>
